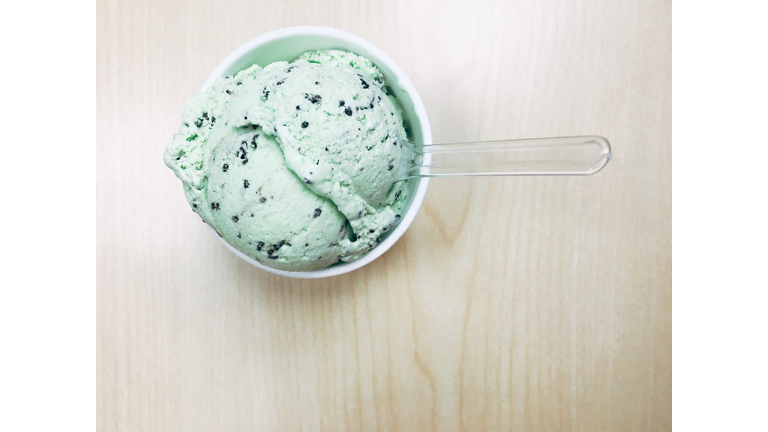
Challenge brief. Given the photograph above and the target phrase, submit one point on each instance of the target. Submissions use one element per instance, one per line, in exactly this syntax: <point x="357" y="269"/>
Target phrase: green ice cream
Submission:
<point x="293" y="164"/>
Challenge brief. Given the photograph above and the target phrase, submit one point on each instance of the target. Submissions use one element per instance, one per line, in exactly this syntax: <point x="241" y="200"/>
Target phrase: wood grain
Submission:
<point x="510" y="303"/>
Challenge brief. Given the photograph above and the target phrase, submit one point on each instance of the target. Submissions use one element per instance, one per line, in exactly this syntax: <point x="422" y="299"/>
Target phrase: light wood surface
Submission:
<point x="510" y="303"/>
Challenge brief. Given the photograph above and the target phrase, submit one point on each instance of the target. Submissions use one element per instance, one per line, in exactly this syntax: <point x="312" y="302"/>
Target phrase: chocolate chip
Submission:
<point x="307" y="181"/>
<point x="341" y="103"/>
<point x="304" y="124"/>
<point x="274" y="257"/>
<point x="371" y="105"/>
<point x="278" y="245"/>
<point x="348" y="111"/>
<point x="290" y="69"/>
<point x="280" y="82"/>
<point x="213" y="120"/>
<point x="397" y="195"/>
<point x="246" y="184"/>
<point x="239" y="236"/>
<point x="214" y="206"/>
<point x="314" y="98"/>
<point x="317" y="83"/>
<point x="194" y="205"/>
<point x="235" y="218"/>
<point x="199" y="122"/>
<point x="259" y="245"/>
<point x="317" y="212"/>
<point x="240" y="83"/>
<point x="298" y="107"/>
<point x="365" y="84"/>
<point x="229" y="92"/>
<point x="265" y="92"/>
<point x="371" y="230"/>
<point x="225" y="167"/>
<point x="245" y="161"/>
<point x="205" y="115"/>
<point x="186" y="124"/>
<point x="262" y="200"/>
<point x="397" y="216"/>
<point x="326" y="149"/>
<point x="270" y="252"/>
<point x="390" y="166"/>
<point x="394" y="143"/>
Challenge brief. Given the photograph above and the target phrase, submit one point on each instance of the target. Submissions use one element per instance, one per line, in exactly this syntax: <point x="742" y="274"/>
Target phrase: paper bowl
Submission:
<point x="287" y="44"/>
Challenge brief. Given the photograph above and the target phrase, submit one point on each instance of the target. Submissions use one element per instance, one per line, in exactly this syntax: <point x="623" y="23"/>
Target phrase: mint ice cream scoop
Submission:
<point x="294" y="164"/>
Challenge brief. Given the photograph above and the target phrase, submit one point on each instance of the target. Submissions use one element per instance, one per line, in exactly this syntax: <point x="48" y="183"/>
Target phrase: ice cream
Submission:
<point x="294" y="164"/>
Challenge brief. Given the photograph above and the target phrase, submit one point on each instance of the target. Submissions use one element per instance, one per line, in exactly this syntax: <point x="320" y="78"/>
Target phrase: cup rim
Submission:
<point x="379" y="57"/>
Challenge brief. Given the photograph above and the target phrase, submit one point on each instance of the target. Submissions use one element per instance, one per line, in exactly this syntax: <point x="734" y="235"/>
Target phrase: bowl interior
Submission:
<point x="287" y="45"/>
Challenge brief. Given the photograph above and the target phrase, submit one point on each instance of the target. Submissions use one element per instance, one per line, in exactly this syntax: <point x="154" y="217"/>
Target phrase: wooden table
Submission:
<point x="510" y="304"/>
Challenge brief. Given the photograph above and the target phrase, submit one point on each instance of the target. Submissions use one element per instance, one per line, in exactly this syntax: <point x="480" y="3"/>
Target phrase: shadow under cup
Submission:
<point x="288" y="44"/>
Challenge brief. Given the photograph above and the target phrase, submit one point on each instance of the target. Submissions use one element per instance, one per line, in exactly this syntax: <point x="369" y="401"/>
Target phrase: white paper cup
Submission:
<point x="287" y="44"/>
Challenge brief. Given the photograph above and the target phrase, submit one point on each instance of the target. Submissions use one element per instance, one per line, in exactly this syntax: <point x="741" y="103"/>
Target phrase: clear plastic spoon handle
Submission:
<point x="582" y="155"/>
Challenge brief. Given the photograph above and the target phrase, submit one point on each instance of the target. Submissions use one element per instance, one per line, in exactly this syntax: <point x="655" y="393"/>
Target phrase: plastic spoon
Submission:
<point x="583" y="155"/>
